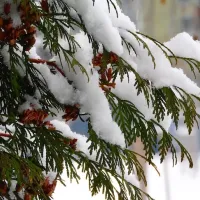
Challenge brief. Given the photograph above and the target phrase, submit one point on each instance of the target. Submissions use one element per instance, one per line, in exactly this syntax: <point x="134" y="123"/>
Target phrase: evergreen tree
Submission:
<point x="65" y="60"/>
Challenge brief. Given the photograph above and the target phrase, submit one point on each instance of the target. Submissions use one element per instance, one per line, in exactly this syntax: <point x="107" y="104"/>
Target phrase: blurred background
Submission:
<point x="162" y="20"/>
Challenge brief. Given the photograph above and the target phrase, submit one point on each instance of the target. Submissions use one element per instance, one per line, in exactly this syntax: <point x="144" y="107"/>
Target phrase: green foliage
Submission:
<point x="192" y="63"/>
<point x="110" y="159"/>
<point x="100" y="178"/>
<point x="134" y="125"/>
<point x="145" y="46"/>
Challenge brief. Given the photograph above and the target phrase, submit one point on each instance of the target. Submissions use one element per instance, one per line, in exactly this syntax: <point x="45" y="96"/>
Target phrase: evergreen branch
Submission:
<point x="52" y="33"/>
<point x="20" y="169"/>
<point x="161" y="46"/>
<point x="100" y="177"/>
<point x="145" y="46"/>
<point x="11" y="92"/>
<point x="165" y="100"/>
<point x="114" y="157"/>
<point x="108" y="3"/>
<point x="29" y="140"/>
<point x="189" y="108"/>
<point x="133" y="125"/>
<point x="184" y="152"/>
<point x="158" y="100"/>
<point x="47" y="99"/>
<point x="192" y="63"/>
<point x="165" y="144"/>
<point x="32" y="149"/>
<point x="168" y="102"/>
<point x="129" y="46"/>
<point x="122" y="68"/>
<point x="92" y="168"/>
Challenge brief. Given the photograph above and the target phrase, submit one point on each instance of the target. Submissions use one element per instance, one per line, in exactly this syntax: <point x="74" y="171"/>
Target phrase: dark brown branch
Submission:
<point x="5" y="135"/>
<point x="50" y="63"/>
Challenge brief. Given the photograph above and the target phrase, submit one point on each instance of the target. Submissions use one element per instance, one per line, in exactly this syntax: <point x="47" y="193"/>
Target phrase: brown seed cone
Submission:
<point x="48" y="187"/>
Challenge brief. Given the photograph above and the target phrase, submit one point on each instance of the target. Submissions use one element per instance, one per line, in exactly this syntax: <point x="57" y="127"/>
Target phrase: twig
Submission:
<point x="50" y="63"/>
<point x="5" y="135"/>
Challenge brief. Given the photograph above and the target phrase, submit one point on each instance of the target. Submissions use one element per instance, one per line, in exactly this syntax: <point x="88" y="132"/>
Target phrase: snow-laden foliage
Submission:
<point x="67" y="59"/>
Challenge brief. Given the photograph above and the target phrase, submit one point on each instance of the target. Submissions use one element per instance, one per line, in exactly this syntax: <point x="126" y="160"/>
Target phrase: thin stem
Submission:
<point x="5" y="135"/>
<point x="50" y="63"/>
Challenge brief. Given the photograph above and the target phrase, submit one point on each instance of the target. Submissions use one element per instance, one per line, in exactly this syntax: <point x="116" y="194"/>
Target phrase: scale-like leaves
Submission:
<point x="111" y="160"/>
<point x="133" y="124"/>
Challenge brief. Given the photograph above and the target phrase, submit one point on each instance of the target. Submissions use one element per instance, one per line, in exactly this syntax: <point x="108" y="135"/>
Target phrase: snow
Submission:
<point x="98" y="23"/>
<point x="163" y="74"/>
<point x="27" y="104"/>
<point x="5" y="54"/>
<point x="123" y="89"/>
<point x="12" y="189"/>
<point x="183" y="45"/>
<point x="90" y="96"/>
<point x="102" y="23"/>
<point x="81" y="139"/>
<point x="15" y="15"/>
<point x="38" y="51"/>
<point x="82" y="145"/>
<point x="58" y="85"/>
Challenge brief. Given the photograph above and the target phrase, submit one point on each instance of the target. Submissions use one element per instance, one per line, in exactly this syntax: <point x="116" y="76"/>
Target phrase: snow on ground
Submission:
<point x="175" y="183"/>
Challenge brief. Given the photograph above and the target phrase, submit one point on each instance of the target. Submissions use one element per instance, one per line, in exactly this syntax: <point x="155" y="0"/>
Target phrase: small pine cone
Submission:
<point x="48" y="187"/>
